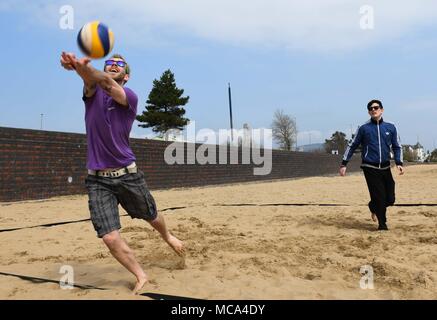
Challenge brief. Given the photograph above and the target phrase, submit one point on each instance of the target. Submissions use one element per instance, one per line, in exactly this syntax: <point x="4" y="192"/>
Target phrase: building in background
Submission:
<point x="414" y="153"/>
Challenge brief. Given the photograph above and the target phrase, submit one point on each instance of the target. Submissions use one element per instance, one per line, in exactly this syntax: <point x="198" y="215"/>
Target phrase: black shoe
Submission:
<point x="383" y="227"/>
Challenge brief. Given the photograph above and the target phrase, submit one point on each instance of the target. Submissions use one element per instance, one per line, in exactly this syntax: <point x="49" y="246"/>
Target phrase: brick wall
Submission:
<point x="41" y="164"/>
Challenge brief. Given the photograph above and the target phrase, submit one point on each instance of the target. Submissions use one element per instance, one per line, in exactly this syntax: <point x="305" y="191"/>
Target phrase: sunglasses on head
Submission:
<point x="373" y="108"/>
<point x="119" y="63"/>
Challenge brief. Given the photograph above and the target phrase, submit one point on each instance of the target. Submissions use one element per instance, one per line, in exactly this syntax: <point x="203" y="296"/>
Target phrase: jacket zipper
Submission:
<point x="379" y="142"/>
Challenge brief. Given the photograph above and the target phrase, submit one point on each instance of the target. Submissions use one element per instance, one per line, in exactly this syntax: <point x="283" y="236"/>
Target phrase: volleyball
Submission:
<point x="95" y="40"/>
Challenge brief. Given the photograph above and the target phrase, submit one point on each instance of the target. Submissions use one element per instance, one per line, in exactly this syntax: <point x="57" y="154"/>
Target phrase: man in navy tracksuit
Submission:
<point x="376" y="137"/>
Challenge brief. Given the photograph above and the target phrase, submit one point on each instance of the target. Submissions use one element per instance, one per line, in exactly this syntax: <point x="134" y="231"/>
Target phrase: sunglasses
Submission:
<point x="373" y="108"/>
<point x="119" y="63"/>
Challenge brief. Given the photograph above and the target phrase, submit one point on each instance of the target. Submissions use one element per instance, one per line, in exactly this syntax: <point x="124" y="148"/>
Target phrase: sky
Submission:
<point x="320" y="61"/>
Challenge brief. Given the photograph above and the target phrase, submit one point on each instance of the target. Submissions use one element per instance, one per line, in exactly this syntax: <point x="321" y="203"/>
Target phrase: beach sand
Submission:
<point x="244" y="241"/>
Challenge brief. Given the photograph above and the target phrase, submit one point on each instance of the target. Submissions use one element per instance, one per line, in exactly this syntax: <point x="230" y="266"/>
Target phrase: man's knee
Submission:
<point x="377" y="205"/>
<point x="390" y="202"/>
<point x="372" y="207"/>
<point x="111" y="239"/>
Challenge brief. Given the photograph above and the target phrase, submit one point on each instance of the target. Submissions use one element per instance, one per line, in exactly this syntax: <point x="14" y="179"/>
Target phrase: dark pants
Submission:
<point x="382" y="191"/>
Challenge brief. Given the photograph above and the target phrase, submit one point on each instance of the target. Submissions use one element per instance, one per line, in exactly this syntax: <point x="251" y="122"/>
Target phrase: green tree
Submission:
<point x="433" y="156"/>
<point x="337" y="142"/>
<point x="408" y="153"/>
<point x="164" y="109"/>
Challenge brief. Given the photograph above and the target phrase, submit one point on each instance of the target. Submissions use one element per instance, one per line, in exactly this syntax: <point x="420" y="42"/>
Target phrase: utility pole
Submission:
<point x="42" y="114"/>
<point x="295" y="125"/>
<point x="230" y="112"/>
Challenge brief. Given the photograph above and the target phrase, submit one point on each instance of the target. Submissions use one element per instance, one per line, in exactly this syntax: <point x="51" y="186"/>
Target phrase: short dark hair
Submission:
<point x="374" y="101"/>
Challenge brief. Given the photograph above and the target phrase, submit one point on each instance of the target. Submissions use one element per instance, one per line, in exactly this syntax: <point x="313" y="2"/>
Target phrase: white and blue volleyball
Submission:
<point x="95" y="40"/>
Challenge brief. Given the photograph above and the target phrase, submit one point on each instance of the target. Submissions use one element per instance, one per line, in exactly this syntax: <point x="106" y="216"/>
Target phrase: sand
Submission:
<point x="241" y="244"/>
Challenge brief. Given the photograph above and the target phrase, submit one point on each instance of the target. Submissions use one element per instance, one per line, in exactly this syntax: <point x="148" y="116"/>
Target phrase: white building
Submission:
<point x="417" y="151"/>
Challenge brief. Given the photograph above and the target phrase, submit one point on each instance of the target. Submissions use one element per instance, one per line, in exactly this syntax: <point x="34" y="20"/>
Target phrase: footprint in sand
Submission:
<point x="311" y="276"/>
<point x="15" y="291"/>
<point x="428" y="214"/>
<point x="134" y="229"/>
<point x="83" y="293"/>
<point x="428" y="240"/>
<point x="22" y="253"/>
<point x="164" y="260"/>
<point x="136" y="245"/>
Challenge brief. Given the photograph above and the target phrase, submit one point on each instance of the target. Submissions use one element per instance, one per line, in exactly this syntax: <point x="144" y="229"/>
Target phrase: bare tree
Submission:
<point x="284" y="130"/>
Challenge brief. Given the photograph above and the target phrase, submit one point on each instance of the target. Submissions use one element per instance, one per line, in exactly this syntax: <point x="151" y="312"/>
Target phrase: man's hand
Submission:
<point x="342" y="171"/>
<point x="401" y="170"/>
<point x="68" y="60"/>
<point x="81" y="66"/>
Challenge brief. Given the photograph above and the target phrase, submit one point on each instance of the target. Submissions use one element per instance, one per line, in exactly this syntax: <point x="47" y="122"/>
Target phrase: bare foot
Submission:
<point x="139" y="285"/>
<point x="176" y="244"/>
<point x="374" y="217"/>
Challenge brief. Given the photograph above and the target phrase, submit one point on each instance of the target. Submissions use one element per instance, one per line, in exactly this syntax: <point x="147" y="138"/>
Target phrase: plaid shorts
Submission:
<point x="129" y="190"/>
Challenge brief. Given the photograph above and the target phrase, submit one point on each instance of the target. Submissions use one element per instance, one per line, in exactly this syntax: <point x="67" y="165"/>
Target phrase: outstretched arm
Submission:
<point x="92" y="77"/>
<point x="69" y="62"/>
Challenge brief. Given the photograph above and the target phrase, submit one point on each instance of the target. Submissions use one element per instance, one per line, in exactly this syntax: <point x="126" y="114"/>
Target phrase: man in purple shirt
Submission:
<point x="113" y="178"/>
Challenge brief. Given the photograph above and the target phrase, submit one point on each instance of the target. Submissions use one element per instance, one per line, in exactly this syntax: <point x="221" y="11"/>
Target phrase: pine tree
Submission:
<point x="337" y="142"/>
<point x="164" y="109"/>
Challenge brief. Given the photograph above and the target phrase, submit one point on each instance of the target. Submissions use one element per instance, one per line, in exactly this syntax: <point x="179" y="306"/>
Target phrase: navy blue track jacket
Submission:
<point x="376" y="139"/>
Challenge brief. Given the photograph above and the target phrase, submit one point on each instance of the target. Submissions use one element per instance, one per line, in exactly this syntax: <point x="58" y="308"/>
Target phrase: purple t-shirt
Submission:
<point x="108" y="126"/>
